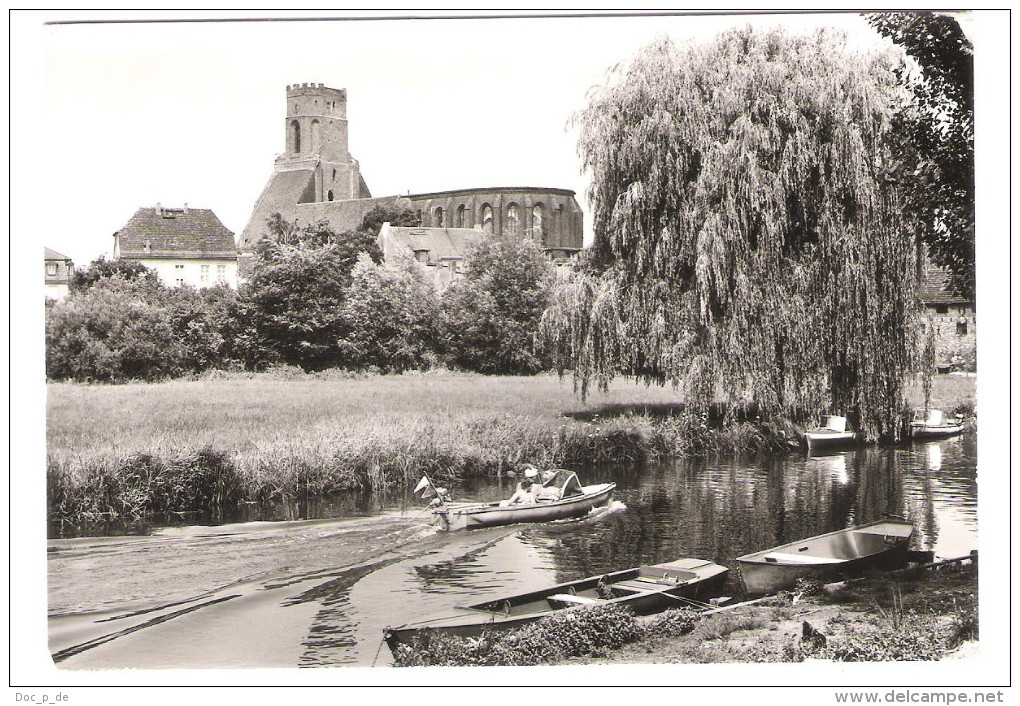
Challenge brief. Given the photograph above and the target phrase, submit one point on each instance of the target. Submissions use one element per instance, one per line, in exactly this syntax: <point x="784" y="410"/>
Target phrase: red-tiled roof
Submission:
<point x="934" y="287"/>
<point x="439" y="242"/>
<point x="174" y="232"/>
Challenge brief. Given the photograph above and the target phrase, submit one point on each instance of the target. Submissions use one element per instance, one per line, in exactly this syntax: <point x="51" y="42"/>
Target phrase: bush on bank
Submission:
<point x="575" y="633"/>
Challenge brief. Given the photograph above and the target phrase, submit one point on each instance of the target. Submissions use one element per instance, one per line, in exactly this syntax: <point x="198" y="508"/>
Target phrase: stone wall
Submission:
<point x="560" y="228"/>
<point x="955" y="336"/>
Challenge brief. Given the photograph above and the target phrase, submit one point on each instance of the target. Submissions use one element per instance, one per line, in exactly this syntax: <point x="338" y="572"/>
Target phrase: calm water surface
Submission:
<point x="301" y="591"/>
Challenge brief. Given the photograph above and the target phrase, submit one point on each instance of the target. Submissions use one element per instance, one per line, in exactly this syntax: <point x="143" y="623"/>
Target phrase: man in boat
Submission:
<point x="526" y="489"/>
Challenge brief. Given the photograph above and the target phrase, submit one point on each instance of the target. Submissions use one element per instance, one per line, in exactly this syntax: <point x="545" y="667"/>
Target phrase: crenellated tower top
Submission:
<point x="316" y="100"/>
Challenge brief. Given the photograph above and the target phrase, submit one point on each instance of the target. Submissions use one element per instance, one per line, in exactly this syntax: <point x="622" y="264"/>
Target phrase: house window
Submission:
<point x="221" y="273"/>
<point x="51" y="269"/>
<point x="205" y="273"/>
<point x="439" y="217"/>
<point x="513" y="220"/>
<point x="961" y="326"/>
<point x="487" y="218"/>
<point x="536" y="224"/>
<point x="941" y="308"/>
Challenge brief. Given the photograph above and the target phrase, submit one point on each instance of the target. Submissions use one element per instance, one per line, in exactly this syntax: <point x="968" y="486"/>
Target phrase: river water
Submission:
<point x="317" y="589"/>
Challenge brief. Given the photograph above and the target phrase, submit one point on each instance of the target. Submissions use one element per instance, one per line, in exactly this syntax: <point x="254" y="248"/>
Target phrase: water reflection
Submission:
<point x="721" y="510"/>
<point x="332" y="587"/>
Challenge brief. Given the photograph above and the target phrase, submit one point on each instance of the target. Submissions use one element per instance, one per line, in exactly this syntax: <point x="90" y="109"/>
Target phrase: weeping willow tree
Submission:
<point x="749" y="236"/>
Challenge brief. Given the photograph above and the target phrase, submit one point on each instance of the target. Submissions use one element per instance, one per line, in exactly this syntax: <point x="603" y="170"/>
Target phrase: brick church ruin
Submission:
<point x="316" y="178"/>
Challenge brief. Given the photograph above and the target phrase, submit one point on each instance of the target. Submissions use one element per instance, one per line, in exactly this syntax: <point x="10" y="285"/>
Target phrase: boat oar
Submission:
<point x="688" y="601"/>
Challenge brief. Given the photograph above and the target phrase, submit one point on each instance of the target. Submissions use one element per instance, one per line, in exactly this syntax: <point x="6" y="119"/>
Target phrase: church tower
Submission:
<point x="316" y="139"/>
<point x="315" y="168"/>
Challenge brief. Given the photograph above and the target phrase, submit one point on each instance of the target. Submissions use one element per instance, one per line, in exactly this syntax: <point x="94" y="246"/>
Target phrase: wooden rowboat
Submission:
<point x="645" y="590"/>
<point x="881" y="544"/>
<point x="574" y="500"/>
<point x="931" y="425"/>
<point x="833" y="435"/>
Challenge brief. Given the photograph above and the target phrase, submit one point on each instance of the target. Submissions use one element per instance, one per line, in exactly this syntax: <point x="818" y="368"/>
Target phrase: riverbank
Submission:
<point x="926" y="615"/>
<point x="131" y="451"/>
<point x="920" y="615"/>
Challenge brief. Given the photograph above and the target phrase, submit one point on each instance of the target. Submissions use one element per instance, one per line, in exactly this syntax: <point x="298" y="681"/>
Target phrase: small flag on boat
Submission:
<point x="423" y="483"/>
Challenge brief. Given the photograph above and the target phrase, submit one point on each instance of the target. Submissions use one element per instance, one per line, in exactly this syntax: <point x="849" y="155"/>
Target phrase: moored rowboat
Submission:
<point x="881" y="544"/>
<point x="645" y="590"/>
<point x="931" y="425"/>
<point x="833" y="435"/>
<point x="574" y="500"/>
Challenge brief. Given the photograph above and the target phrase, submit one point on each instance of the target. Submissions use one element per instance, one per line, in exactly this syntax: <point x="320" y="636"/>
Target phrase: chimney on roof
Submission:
<point x="185" y="206"/>
<point x="159" y="209"/>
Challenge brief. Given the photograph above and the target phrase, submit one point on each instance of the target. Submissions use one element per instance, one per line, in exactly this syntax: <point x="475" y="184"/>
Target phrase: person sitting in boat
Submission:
<point x="546" y="492"/>
<point x="526" y="489"/>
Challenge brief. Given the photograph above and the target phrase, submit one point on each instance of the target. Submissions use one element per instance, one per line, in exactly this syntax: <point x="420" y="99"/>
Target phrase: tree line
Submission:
<point x="762" y="208"/>
<point x="315" y="299"/>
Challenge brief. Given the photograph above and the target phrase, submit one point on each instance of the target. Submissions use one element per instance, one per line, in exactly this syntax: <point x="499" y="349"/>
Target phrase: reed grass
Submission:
<point x="131" y="450"/>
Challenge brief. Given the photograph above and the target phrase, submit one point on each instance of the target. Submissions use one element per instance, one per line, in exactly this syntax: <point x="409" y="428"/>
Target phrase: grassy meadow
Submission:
<point x="130" y="450"/>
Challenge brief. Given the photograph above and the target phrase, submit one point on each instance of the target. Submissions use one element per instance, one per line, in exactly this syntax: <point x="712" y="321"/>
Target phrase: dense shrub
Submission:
<point x="293" y="302"/>
<point x="136" y="329"/>
<point x="101" y="268"/>
<point x="390" y="316"/>
<point x="671" y="623"/>
<point x="590" y="631"/>
<point x="491" y="316"/>
<point x="115" y="330"/>
<point x="914" y="638"/>
<point x="291" y="309"/>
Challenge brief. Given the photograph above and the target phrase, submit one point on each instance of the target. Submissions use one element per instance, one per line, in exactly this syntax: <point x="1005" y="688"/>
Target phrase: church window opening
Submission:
<point x="334" y="175"/>
<point x="439" y="217"/>
<point x="487" y="218"/>
<point x="536" y="224"/>
<point x="329" y="195"/>
<point x="513" y="220"/>
<point x="295" y="137"/>
<point x="316" y="134"/>
<point x="460" y="216"/>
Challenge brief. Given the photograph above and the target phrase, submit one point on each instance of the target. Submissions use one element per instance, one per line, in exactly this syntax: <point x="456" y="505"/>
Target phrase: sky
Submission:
<point x="107" y="118"/>
<point x="174" y="113"/>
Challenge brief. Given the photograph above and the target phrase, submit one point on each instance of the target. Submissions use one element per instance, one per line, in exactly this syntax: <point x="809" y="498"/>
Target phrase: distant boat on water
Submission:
<point x="930" y="424"/>
<point x="833" y="435"/>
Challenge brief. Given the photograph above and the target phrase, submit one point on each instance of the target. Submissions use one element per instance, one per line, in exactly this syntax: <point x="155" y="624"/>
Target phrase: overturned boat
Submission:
<point x="930" y="424"/>
<point x="645" y="590"/>
<point x="881" y="544"/>
<point x="565" y="498"/>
